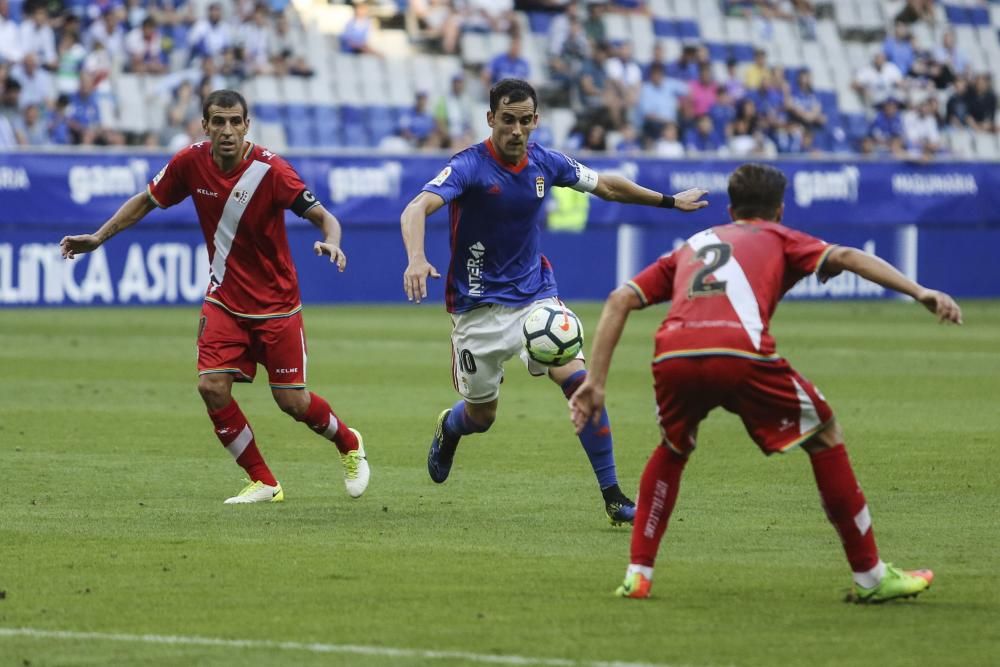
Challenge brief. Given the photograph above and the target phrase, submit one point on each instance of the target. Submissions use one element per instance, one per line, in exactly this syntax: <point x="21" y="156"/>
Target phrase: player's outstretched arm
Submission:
<point x="587" y="401"/>
<point x="413" y="222"/>
<point x="879" y="271"/>
<point x="330" y="226"/>
<point x="132" y="211"/>
<point x="613" y="187"/>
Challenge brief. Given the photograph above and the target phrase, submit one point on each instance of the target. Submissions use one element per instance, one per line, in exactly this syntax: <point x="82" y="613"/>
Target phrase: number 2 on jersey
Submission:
<point x="714" y="255"/>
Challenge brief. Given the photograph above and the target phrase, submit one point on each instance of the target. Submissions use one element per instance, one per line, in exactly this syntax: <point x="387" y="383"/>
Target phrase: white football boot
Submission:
<point x="356" y="471"/>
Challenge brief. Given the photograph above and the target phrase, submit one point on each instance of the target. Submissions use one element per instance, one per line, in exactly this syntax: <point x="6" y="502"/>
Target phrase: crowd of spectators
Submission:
<point x="920" y="91"/>
<point x="56" y="67"/>
<point x="56" y="64"/>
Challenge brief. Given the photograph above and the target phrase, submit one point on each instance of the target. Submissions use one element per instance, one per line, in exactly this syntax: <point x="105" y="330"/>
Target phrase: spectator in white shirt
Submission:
<point x="36" y="83"/>
<point x="948" y="54"/>
<point x="210" y="37"/>
<point x="877" y="81"/>
<point x="144" y="46"/>
<point x="624" y="73"/>
<point x="10" y="36"/>
<point x="669" y="145"/>
<point x="256" y="41"/>
<point x="37" y="38"/>
<point x="109" y="32"/>
<point x="920" y="129"/>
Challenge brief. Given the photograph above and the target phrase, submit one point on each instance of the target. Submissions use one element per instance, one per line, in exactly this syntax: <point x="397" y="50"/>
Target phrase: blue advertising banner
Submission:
<point x="937" y="222"/>
<point x="85" y="189"/>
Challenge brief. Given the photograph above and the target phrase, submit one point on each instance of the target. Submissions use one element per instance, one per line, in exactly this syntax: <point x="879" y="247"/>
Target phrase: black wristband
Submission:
<point x="666" y="202"/>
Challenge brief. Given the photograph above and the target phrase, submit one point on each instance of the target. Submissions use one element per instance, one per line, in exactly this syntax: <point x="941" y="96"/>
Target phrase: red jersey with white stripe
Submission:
<point x="242" y="215"/>
<point x="725" y="284"/>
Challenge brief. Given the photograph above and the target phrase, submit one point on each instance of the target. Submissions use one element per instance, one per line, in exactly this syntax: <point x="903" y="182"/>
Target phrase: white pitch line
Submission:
<point x="352" y="649"/>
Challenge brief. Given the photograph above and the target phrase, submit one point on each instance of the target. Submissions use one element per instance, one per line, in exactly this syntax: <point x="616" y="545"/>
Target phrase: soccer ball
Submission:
<point x="552" y="335"/>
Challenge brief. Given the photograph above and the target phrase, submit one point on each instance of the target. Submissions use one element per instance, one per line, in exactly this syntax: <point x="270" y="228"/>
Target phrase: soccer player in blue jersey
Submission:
<point x="496" y="191"/>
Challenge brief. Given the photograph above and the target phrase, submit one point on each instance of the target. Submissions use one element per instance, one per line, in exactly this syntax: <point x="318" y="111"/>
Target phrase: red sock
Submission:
<point x="234" y="433"/>
<point x="321" y="419"/>
<point x="657" y="494"/>
<point x="845" y="506"/>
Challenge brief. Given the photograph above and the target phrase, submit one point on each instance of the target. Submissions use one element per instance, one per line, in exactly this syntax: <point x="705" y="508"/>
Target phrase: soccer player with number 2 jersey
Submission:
<point x="496" y="195"/>
<point x="714" y="349"/>
<point x="252" y="310"/>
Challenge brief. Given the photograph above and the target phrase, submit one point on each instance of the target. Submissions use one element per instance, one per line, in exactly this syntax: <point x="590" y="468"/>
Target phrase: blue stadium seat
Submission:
<point x="326" y="115"/>
<point x="354" y="130"/>
<point x="328" y="136"/>
<point x="540" y="22"/>
<point x="742" y="52"/>
<point x="299" y="126"/>
<point x="381" y="122"/>
<point x="828" y="100"/>
<point x="959" y="15"/>
<point x="688" y="29"/>
<point x="717" y="51"/>
<point x="327" y="126"/>
<point x="856" y="125"/>
<point x="267" y="113"/>
<point x="664" y="28"/>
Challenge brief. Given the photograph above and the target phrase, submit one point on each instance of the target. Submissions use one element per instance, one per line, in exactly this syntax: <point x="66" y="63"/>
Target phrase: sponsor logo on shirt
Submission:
<point x="474" y="267"/>
<point x="494" y="189"/>
<point x="283" y="371"/>
<point x="540" y="186"/>
<point x="203" y="191"/>
<point x="267" y="155"/>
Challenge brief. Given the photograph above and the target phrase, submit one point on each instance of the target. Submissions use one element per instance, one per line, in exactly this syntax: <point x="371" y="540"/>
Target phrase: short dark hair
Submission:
<point x="515" y="90"/>
<point x="756" y="191"/>
<point x="224" y="99"/>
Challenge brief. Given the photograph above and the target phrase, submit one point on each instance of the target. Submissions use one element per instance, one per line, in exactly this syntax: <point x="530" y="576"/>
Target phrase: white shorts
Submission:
<point x="482" y="340"/>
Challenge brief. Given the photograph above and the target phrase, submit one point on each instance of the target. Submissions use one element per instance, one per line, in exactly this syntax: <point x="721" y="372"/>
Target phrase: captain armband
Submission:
<point x="303" y="203"/>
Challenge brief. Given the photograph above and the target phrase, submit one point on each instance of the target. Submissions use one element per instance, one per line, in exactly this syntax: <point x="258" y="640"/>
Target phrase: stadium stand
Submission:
<point x="330" y="75"/>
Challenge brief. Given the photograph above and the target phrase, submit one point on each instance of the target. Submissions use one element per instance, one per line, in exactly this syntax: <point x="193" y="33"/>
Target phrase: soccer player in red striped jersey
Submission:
<point x="252" y="309"/>
<point x="714" y="349"/>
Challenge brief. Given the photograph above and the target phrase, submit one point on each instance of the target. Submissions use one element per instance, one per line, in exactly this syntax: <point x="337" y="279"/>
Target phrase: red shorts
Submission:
<point x="779" y="408"/>
<point x="231" y="344"/>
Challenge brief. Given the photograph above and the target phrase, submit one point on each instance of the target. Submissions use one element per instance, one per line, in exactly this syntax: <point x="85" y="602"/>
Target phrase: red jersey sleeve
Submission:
<point x="655" y="283"/>
<point x="287" y="184"/>
<point x="169" y="187"/>
<point x="806" y="254"/>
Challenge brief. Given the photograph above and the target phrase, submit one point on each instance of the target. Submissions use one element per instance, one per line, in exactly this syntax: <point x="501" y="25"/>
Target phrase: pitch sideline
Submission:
<point x="316" y="647"/>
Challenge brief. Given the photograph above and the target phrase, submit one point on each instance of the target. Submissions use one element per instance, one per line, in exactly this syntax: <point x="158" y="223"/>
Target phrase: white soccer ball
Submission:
<point x="552" y="335"/>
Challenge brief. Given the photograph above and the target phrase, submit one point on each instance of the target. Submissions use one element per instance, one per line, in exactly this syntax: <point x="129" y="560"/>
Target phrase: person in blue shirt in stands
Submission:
<point x="417" y="124"/>
<point x="509" y="64"/>
<point x="496" y="195"/>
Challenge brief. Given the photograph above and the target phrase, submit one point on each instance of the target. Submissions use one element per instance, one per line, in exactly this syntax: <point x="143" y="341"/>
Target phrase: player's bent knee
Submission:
<point x="293" y="402"/>
<point x="830" y="436"/>
<point x="215" y="390"/>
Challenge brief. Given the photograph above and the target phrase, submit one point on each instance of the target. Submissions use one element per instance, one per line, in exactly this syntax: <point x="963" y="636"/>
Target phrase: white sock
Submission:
<point x="872" y="577"/>
<point x="644" y="570"/>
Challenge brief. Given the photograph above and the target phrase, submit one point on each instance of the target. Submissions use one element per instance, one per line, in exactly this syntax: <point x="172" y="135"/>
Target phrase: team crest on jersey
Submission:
<point x="241" y="196"/>
<point x="441" y="177"/>
<point x="540" y="186"/>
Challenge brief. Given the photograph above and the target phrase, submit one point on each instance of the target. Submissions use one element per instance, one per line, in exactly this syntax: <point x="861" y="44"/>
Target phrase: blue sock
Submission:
<point x="596" y="440"/>
<point x="459" y="423"/>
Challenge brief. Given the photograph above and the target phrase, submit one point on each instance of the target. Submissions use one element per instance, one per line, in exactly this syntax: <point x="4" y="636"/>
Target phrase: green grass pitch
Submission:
<point x="111" y="518"/>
